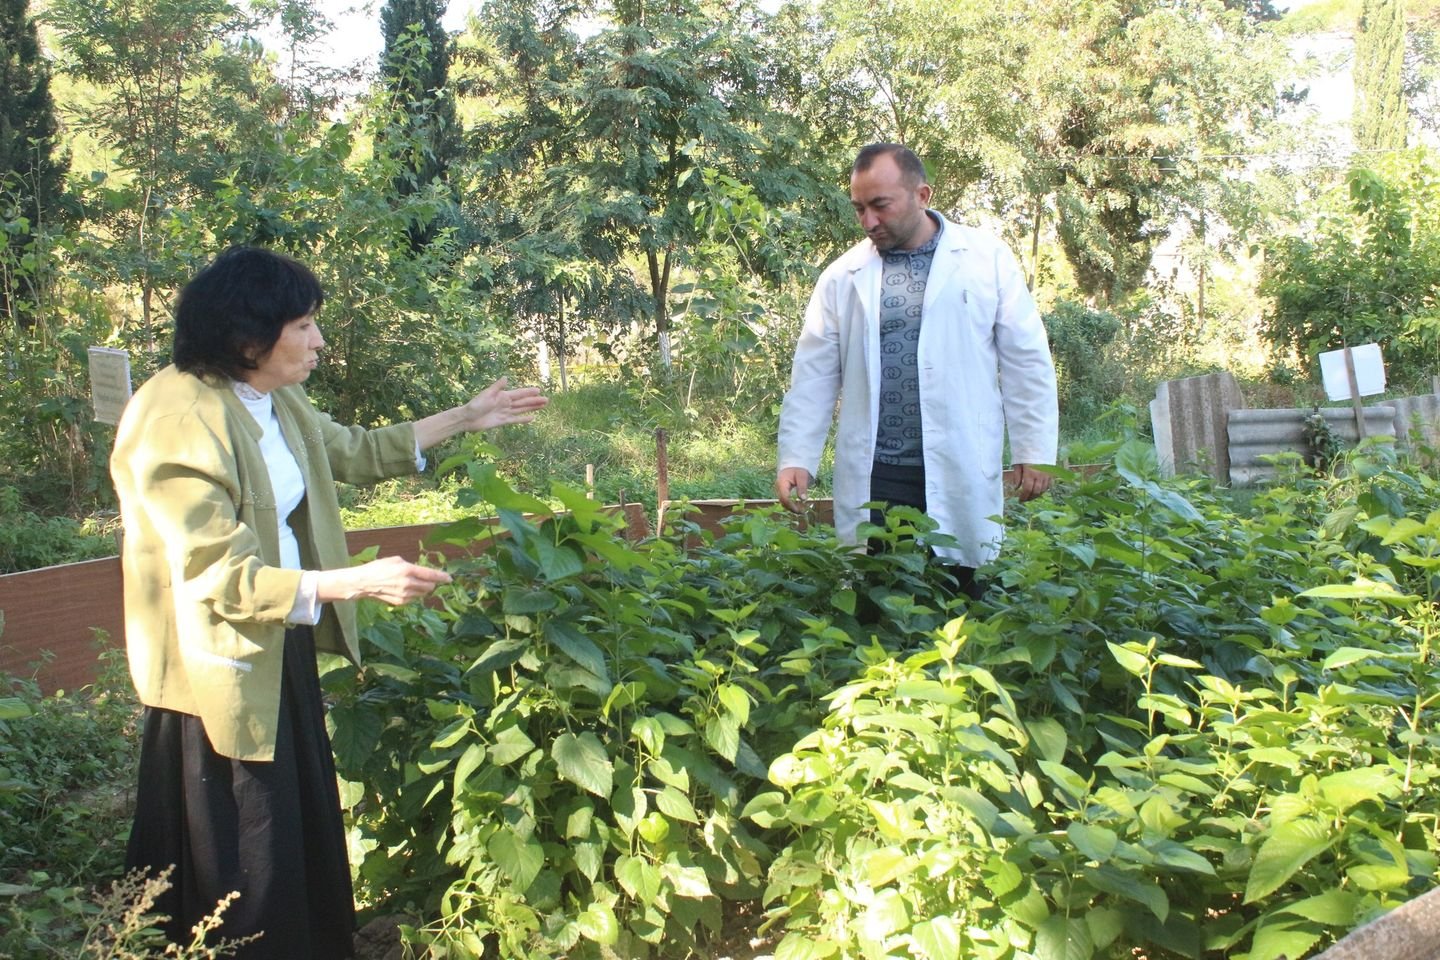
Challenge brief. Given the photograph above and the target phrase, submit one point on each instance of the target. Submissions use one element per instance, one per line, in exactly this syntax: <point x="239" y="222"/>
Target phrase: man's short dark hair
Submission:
<point x="910" y="166"/>
<point x="234" y="309"/>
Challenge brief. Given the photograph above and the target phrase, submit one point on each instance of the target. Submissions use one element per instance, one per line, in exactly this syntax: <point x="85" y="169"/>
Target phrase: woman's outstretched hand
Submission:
<point x="495" y="406"/>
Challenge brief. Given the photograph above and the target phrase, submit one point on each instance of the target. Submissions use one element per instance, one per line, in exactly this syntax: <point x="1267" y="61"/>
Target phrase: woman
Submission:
<point x="236" y="572"/>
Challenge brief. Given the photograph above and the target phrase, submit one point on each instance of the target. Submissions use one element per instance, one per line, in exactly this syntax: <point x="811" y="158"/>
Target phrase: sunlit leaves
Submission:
<point x="584" y="762"/>
<point x="1188" y="742"/>
<point x="1288" y="847"/>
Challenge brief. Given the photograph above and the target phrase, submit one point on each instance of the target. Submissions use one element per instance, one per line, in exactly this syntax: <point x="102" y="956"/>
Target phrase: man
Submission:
<point x="927" y="335"/>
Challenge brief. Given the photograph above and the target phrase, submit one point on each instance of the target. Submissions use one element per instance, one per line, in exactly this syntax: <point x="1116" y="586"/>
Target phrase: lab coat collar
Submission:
<point x="865" y="265"/>
<point x="864" y="255"/>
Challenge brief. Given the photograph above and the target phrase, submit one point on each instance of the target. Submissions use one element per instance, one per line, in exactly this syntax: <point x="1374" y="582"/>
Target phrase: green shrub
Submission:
<point x="1178" y="723"/>
<point x="593" y="715"/>
<point x="1183" y="729"/>
<point x="1088" y="375"/>
<point x="28" y="541"/>
<point x="67" y="766"/>
<point x="67" y="770"/>
<point x="1362" y="269"/>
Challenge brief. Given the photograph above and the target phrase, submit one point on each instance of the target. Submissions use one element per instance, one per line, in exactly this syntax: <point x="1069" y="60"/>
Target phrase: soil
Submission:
<point x="380" y="939"/>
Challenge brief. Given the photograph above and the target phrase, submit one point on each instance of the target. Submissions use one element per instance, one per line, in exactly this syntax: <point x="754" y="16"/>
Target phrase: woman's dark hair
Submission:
<point x="232" y="312"/>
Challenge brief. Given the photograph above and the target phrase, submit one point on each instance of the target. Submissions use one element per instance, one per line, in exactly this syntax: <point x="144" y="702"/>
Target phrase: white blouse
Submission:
<point x="288" y="485"/>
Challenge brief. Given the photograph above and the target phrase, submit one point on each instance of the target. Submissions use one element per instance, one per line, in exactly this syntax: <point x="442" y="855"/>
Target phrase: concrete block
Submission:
<point x="1416" y="418"/>
<point x="1188" y="418"/>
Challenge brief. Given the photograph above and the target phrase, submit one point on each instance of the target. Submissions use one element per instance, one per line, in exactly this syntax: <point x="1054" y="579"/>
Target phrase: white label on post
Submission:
<point x="109" y="382"/>
<point x="1369" y="372"/>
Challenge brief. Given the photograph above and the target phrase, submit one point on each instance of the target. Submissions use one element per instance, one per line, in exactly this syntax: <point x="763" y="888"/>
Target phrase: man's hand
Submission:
<point x="1029" y="482"/>
<point x="790" y="486"/>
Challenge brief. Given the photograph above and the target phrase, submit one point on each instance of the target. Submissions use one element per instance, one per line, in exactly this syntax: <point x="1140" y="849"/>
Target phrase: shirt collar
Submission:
<point x="258" y="404"/>
<point x="244" y="391"/>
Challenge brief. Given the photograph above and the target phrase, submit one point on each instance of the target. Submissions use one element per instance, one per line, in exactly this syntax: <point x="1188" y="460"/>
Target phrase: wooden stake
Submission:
<point x="1355" y="394"/>
<point x="662" y="469"/>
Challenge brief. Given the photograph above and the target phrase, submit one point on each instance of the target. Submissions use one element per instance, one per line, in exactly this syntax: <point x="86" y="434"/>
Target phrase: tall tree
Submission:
<point x="606" y="137"/>
<point x="32" y="166"/>
<point x="415" y="68"/>
<point x="1255" y="9"/>
<point x="550" y="277"/>
<point x="182" y="99"/>
<point x="1380" y="120"/>
<point x="1092" y="115"/>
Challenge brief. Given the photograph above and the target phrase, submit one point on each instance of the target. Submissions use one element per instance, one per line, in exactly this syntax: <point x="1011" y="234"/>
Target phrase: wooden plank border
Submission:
<point x="54" y="616"/>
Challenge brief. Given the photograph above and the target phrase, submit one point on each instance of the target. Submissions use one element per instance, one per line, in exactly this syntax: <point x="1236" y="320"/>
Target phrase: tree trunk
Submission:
<point x="542" y="357"/>
<point x="660" y="291"/>
<point x="564" y="371"/>
<point x="1204" y="256"/>
<point x="1035" y="245"/>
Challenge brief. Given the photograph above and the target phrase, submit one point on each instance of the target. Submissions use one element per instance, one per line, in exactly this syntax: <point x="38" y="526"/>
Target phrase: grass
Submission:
<point x="713" y="452"/>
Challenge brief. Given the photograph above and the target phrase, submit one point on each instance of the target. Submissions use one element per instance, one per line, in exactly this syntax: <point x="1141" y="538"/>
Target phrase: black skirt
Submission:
<point x="271" y="830"/>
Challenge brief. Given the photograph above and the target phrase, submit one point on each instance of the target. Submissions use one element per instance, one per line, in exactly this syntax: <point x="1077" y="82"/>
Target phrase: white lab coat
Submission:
<point x="985" y="366"/>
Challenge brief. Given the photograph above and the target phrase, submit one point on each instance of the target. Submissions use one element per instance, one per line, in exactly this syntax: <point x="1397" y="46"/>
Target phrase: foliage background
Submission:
<point x="622" y="193"/>
<point x="1194" y="724"/>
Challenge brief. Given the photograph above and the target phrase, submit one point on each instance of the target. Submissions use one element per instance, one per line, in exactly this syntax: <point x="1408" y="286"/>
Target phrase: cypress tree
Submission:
<point x="417" y="77"/>
<point x="1379" y="119"/>
<point x="32" y="171"/>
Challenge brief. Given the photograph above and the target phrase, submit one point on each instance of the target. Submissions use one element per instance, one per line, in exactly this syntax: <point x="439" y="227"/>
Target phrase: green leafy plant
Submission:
<point x="597" y="714"/>
<point x="65" y="763"/>
<point x="1166" y="727"/>
<point x="1154" y="737"/>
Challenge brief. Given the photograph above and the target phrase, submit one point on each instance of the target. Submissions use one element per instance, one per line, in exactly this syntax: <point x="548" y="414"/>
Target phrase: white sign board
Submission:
<point x="1369" y="372"/>
<point x="109" y="382"/>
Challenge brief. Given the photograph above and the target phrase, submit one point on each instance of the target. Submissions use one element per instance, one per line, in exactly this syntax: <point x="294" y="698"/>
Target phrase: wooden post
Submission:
<point x="662" y="469"/>
<point x="589" y="481"/>
<point x="1355" y="394"/>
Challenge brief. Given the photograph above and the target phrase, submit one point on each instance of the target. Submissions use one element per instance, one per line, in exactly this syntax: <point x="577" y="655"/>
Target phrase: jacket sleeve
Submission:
<point x="186" y="482"/>
<point x="809" y="405"/>
<point x="363" y="456"/>
<point x="1027" y="372"/>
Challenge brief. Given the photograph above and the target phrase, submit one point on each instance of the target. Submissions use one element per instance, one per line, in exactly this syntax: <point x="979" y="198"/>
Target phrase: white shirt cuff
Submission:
<point x="307" y="601"/>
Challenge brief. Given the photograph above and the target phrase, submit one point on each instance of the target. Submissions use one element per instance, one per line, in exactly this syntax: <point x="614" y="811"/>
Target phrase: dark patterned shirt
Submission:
<point x="902" y="298"/>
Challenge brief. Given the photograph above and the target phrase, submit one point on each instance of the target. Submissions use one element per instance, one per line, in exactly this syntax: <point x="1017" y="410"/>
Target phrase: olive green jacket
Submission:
<point x="205" y="597"/>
